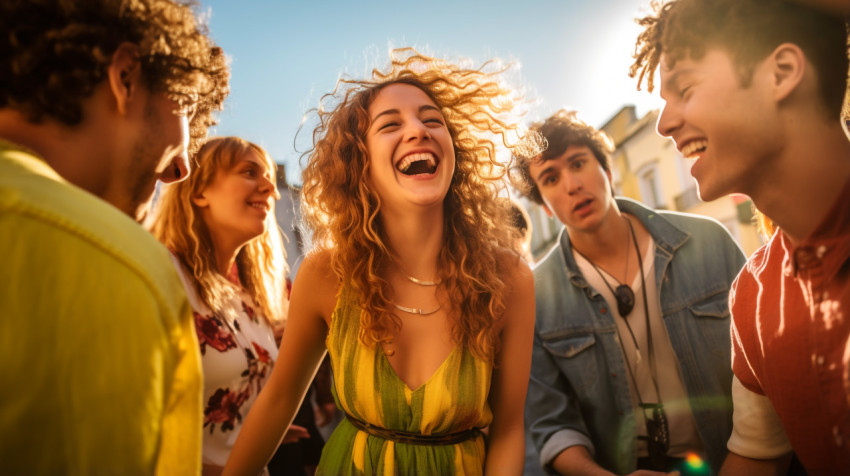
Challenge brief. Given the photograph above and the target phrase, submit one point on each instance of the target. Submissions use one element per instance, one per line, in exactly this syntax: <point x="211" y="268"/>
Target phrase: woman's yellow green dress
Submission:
<point x="366" y="387"/>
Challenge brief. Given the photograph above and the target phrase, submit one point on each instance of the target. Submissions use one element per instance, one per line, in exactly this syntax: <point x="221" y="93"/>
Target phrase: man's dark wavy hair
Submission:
<point x="750" y="30"/>
<point x="560" y="131"/>
<point x="53" y="54"/>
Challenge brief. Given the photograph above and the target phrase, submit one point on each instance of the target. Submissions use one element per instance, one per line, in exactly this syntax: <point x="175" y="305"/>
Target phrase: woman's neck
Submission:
<point x="225" y="255"/>
<point x="415" y="240"/>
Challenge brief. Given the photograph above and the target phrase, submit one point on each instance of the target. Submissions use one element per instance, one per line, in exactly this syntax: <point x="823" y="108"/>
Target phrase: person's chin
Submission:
<point x="707" y="191"/>
<point x="141" y="202"/>
<point x="582" y="224"/>
<point x="433" y="195"/>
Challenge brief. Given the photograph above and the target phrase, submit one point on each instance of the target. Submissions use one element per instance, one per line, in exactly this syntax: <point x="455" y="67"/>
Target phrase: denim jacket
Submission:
<point x="579" y="392"/>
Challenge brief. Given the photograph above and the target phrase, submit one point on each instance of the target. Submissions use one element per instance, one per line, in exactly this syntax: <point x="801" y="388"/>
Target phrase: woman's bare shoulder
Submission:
<point x="317" y="281"/>
<point x="514" y="270"/>
<point x="317" y="263"/>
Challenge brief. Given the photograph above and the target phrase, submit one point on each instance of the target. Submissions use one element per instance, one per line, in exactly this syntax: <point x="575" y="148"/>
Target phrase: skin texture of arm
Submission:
<point x="301" y="352"/>
<point x="737" y="464"/>
<point x="576" y="460"/>
<point x="505" y="454"/>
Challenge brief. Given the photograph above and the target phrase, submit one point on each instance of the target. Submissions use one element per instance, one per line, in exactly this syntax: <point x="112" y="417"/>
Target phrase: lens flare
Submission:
<point x="694" y="465"/>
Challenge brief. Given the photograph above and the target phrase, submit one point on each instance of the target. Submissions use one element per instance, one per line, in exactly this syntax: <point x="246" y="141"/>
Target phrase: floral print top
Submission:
<point x="237" y="352"/>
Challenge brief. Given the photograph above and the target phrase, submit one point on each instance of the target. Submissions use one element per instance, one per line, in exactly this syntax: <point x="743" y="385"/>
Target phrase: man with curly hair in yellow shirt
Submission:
<point x="98" y="100"/>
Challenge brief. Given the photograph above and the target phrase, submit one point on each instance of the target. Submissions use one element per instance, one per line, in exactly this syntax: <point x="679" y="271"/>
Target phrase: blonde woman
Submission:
<point x="220" y="227"/>
<point x="426" y="312"/>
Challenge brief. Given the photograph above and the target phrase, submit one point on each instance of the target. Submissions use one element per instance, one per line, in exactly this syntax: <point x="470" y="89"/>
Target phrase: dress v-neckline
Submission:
<point x="428" y="380"/>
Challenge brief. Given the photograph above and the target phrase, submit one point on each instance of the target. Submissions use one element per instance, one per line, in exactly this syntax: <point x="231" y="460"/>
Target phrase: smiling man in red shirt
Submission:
<point x="753" y="92"/>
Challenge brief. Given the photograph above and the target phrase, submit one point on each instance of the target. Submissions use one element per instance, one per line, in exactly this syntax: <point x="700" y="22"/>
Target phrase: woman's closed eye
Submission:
<point x="434" y="121"/>
<point x="388" y="125"/>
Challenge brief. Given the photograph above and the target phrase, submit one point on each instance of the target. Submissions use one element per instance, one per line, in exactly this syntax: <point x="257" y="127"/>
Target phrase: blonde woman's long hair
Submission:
<point x="343" y="209"/>
<point x="178" y="224"/>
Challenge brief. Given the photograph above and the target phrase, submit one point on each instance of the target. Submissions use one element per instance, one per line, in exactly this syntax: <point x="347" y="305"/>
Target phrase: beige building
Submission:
<point x="648" y="168"/>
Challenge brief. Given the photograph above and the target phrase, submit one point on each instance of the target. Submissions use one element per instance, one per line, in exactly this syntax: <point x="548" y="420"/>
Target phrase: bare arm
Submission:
<point x="301" y="352"/>
<point x="737" y="464"/>
<point x="505" y="453"/>
<point x="576" y="461"/>
<point x="757" y="433"/>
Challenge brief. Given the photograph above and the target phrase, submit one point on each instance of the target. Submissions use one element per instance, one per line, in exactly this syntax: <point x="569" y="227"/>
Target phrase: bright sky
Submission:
<point x="286" y="54"/>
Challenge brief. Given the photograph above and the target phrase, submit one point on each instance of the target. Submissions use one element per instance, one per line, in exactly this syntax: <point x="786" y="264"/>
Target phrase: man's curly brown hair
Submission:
<point x="343" y="209"/>
<point x="749" y="30"/>
<point x="560" y="131"/>
<point x="53" y="54"/>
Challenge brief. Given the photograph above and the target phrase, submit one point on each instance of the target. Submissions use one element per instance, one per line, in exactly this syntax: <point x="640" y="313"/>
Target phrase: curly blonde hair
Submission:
<point x="54" y="53"/>
<point x="178" y="224"/>
<point x="343" y="209"/>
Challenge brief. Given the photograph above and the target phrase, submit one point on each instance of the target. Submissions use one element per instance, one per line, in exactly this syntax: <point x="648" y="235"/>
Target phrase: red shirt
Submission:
<point x="790" y="325"/>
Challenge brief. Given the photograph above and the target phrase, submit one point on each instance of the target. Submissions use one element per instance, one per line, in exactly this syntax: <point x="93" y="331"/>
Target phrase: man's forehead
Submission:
<point x="670" y="60"/>
<point x="671" y="63"/>
<point x="570" y="152"/>
<point x="672" y="66"/>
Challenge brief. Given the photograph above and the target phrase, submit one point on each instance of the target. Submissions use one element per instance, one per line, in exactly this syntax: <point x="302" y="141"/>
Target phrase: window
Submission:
<point x="650" y="185"/>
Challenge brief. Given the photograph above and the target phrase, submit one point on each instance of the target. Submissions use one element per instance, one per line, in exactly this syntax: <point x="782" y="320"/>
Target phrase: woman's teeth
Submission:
<point x="417" y="164"/>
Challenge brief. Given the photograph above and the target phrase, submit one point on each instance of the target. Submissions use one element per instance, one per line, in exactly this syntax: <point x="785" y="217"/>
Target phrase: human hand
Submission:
<point x="324" y="413"/>
<point x="294" y="434"/>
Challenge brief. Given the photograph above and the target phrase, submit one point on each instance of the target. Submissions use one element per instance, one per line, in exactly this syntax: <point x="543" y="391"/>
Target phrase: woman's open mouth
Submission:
<point x="417" y="164"/>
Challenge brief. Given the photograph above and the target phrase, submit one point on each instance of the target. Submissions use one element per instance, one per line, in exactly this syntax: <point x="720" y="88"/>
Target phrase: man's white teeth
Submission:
<point x="410" y="159"/>
<point x="258" y="205"/>
<point x="693" y="147"/>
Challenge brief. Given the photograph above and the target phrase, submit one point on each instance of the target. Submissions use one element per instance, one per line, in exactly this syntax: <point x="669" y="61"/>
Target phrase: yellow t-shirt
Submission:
<point x="99" y="361"/>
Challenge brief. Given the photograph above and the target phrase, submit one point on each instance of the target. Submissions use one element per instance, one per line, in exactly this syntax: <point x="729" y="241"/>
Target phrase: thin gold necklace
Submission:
<point x="422" y="282"/>
<point x="413" y="280"/>
<point x="416" y="310"/>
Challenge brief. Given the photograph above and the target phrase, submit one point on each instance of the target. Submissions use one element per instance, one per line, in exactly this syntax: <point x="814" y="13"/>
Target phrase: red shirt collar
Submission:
<point x="828" y="244"/>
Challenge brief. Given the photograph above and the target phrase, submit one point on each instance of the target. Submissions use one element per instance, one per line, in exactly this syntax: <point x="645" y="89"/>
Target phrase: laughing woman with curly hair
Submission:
<point x="426" y="313"/>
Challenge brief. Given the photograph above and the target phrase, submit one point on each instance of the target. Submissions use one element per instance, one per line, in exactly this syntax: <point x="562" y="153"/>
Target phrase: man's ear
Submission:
<point x="124" y="74"/>
<point x="787" y="66"/>
<point x="610" y="176"/>
<point x="547" y="210"/>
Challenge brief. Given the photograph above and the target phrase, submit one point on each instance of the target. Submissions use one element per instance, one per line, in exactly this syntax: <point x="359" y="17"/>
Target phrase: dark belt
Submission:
<point x="410" y="438"/>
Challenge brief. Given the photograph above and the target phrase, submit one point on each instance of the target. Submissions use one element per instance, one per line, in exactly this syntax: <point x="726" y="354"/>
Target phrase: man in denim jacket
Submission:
<point x="605" y="393"/>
